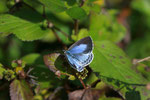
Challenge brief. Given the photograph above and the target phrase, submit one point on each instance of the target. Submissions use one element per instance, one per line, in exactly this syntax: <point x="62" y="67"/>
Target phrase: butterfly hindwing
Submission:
<point x="74" y="63"/>
<point x="84" y="59"/>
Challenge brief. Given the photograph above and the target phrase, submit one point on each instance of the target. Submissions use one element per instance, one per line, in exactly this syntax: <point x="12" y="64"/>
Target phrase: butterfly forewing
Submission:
<point x="84" y="45"/>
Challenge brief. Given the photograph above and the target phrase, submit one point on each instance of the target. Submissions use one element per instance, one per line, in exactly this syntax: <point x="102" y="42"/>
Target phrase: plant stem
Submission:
<point x="56" y="35"/>
<point x="76" y="26"/>
<point x="59" y="40"/>
<point x="82" y="83"/>
<point x="82" y="3"/>
<point x="141" y="60"/>
<point x="61" y="31"/>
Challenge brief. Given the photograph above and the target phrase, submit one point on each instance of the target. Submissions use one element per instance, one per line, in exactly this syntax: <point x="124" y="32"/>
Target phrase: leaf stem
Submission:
<point x="56" y="35"/>
<point x="135" y="61"/>
<point x="61" y="31"/>
<point x="82" y="83"/>
<point x="82" y="3"/>
<point x="59" y="40"/>
<point x="76" y="26"/>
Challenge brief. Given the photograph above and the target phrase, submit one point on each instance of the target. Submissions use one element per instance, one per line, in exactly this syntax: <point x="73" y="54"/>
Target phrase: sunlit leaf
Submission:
<point x="23" y="29"/>
<point x="54" y="5"/>
<point x="111" y="62"/>
<point x="104" y="26"/>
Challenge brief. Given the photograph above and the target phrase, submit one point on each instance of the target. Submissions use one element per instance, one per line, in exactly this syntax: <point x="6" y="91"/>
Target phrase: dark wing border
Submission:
<point x="87" y="40"/>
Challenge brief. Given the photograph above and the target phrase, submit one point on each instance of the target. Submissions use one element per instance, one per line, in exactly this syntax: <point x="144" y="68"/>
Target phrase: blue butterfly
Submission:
<point x="79" y="55"/>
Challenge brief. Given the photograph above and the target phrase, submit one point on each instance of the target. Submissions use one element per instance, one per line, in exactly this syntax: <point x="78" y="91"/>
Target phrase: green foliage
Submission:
<point x="104" y="26"/>
<point x="24" y="30"/>
<point x="76" y="13"/>
<point x="54" y="5"/>
<point x="108" y="56"/>
<point x="33" y="34"/>
<point x="142" y="5"/>
<point x="2" y="70"/>
<point x="82" y="33"/>
<point x="31" y="58"/>
<point x="9" y="74"/>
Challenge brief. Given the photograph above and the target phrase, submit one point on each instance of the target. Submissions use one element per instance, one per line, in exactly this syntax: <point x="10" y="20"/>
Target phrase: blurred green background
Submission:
<point x="30" y="29"/>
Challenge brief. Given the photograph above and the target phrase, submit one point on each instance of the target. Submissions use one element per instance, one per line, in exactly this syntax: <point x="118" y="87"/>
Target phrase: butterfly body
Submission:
<point x="79" y="55"/>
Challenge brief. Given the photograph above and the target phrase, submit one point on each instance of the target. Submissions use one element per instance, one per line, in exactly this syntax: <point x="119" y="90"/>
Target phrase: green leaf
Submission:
<point x="82" y="33"/>
<point x="3" y="6"/>
<point x="1" y="71"/>
<point x="142" y="6"/>
<point x="76" y="13"/>
<point x="23" y="29"/>
<point x="20" y="90"/>
<point x="31" y="58"/>
<point x="35" y="4"/>
<point x="70" y="2"/>
<point x="130" y="92"/>
<point x="105" y="27"/>
<point x="54" y="5"/>
<point x="111" y="62"/>
<point x="14" y="49"/>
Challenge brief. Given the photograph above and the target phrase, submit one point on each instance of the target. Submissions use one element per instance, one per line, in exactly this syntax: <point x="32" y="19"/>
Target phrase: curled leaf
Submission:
<point x="86" y="94"/>
<point x="56" y="60"/>
<point x="49" y="61"/>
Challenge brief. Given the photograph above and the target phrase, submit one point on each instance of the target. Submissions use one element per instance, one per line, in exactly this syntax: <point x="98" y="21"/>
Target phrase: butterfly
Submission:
<point x="79" y="55"/>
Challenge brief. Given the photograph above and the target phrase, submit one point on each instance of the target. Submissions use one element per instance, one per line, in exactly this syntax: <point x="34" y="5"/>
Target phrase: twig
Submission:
<point x="135" y="61"/>
<point x="82" y="3"/>
<point x="44" y="14"/>
<point x="51" y="97"/>
<point x="56" y="35"/>
<point x="76" y="26"/>
<point x="76" y="22"/>
<point x="82" y="83"/>
<point x="59" y="40"/>
<point x="95" y="83"/>
<point x="61" y="31"/>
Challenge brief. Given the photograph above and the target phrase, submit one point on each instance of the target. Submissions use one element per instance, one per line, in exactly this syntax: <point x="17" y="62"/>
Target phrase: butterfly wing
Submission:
<point x="80" y="54"/>
<point x="74" y="63"/>
<point x="84" y="45"/>
<point x="79" y="61"/>
<point x="84" y="59"/>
